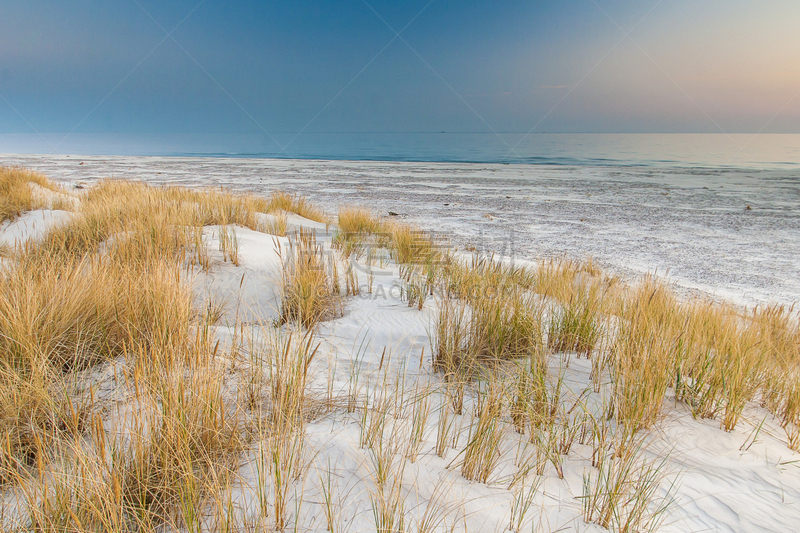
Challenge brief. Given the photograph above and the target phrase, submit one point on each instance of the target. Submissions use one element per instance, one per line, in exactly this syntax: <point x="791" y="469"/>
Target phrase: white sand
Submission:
<point x="30" y="225"/>
<point x="722" y="485"/>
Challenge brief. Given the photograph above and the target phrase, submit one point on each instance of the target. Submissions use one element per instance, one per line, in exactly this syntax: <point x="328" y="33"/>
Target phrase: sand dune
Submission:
<point x="743" y="480"/>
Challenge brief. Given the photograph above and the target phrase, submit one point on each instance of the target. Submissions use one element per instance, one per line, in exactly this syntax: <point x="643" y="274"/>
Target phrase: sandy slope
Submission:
<point x="724" y="481"/>
<point x="30" y="225"/>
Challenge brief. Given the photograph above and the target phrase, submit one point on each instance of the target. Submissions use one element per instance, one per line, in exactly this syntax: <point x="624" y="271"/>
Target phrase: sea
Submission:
<point x="715" y="215"/>
<point x="695" y="150"/>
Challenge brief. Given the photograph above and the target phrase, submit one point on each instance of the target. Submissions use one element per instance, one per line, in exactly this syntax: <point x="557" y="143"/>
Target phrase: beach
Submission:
<point x="399" y="267"/>
<point x="727" y="232"/>
<point x="381" y="422"/>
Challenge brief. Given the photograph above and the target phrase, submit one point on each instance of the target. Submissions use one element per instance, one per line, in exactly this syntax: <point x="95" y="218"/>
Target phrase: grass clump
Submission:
<point x="722" y="363"/>
<point x="642" y="360"/>
<point x="577" y="325"/>
<point x="484" y="315"/>
<point x="482" y="453"/>
<point x="282" y="201"/>
<point x="182" y="448"/>
<point x="281" y="451"/>
<point x="410" y="245"/>
<point x="277" y="225"/>
<point x="779" y="331"/>
<point x="61" y="318"/>
<point x="37" y="415"/>
<point x="192" y="442"/>
<point x="156" y="222"/>
<point x="788" y="410"/>
<point x="70" y="316"/>
<point x="107" y="290"/>
<point x="309" y="284"/>
<point x="16" y="192"/>
<point x="287" y="361"/>
<point x="358" y="221"/>
<point x="625" y="495"/>
<point x="359" y="228"/>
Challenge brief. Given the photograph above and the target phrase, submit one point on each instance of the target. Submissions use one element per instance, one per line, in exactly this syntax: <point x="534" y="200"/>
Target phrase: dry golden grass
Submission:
<point x="16" y="194"/>
<point x="779" y="332"/>
<point x="36" y="415"/>
<point x="577" y="325"/>
<point x="106" y="295"/>
<point x="282" y="201"/>
<point x="719" y="360"/>
<point x="484" y="315"/>
<point x="356" y="228"/>
<point x="482" y="452"/>
<point x="310" y="292"/>
<point x="288" y="362"/>
<point x="59" y="318"/>
<point x="108" y="287"/>
<point x="358" y="221"/>
<point x="642" y="360"/>
<point x="277" y="226"/>
<point x="359" y="229"/>
<point x="642" y="340"/>
<point x="411" y="245"/>
<point x="183" y="447"/>
<point x="157" y="222"/>
<point x="70" y="316"/>
<point x="624" y="494"/>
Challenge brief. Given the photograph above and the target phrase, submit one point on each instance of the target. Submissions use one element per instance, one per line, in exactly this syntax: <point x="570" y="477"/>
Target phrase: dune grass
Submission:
<point x="484" y="315"/>
<point x="107" y="288"/>
<point x="16" y="192"/>
<point x="411" y="245"/>
<point x="182" y="447"/>
<point x="482" y="452"/>
<point x="780" y="341"/>
<point x="358" y="229"/>
<point x="309" y="284"/>
<point x="277" y="226"/>
<point x="642" y="360"/>
<point x="357" y="221"/>
<point x="104" y="299"/>
<point x="625" y="493"/>
<point x="642" y="340"/>
<point x="283" y="201"/>
<point x="577" y="325"/>
<point x="154" y="221"/>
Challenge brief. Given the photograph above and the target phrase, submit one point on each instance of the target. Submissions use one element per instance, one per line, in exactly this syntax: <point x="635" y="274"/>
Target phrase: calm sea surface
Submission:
<point x="704" y="150"/>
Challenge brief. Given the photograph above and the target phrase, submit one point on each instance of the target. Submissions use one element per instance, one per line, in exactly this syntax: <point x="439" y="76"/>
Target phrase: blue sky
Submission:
<point x="145" y="66"/>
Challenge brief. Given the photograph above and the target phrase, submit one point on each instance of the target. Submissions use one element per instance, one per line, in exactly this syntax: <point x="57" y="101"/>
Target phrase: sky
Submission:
<point x="150" y="66"/>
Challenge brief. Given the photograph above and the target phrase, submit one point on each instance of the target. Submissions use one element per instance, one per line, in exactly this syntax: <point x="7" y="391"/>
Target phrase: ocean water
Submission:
<point x="709" y="219"/>
<point x="659" y="150"/>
